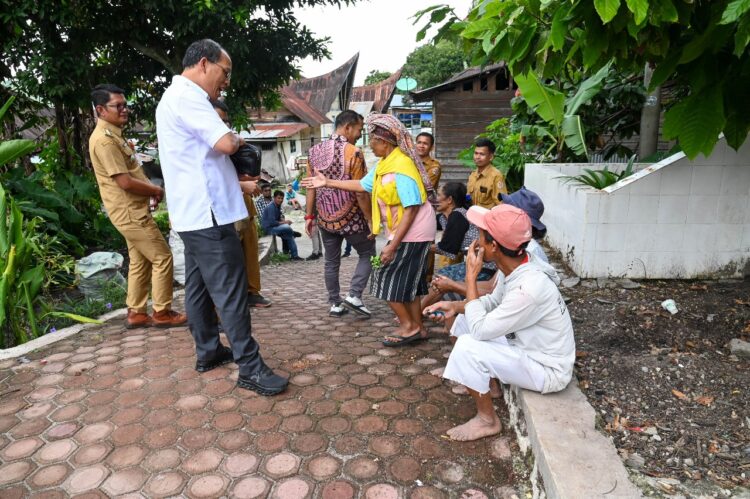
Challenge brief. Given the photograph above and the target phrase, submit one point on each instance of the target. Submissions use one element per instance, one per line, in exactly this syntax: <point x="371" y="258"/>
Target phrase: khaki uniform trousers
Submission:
<point x="150" y="263"/>
<point x="248" y="232"/>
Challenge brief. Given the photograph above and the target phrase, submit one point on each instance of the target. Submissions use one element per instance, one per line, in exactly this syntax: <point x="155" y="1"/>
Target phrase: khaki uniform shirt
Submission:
<point x="111" y="155"/>
<point x="433" y="169"/>
<point x="484" y="187"/>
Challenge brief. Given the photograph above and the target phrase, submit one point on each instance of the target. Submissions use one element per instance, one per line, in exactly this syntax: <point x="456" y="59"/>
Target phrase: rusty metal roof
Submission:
<point x="297" y="105"/>
<point x="467" y="74"/>
<point x="380" y="94"/>
<point x="275" y="130"/>
<point x="320" y="92"/>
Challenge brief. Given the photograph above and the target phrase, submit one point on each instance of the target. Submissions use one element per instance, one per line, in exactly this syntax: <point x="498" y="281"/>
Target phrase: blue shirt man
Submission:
<point x="273" y="223"/>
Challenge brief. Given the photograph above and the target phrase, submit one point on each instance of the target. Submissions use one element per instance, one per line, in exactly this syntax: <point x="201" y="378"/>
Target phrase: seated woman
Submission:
<point x="399" y="188"/>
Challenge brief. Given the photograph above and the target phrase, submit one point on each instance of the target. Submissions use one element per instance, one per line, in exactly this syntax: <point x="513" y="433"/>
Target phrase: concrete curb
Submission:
<point x="571" y="458"/>
<point x="50" y="338"/>
<point x="267" y="247"/>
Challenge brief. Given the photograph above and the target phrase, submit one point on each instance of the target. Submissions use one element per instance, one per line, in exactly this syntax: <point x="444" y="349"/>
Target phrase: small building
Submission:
<point x="462" y="107"/>
<point x="308" y="109"/>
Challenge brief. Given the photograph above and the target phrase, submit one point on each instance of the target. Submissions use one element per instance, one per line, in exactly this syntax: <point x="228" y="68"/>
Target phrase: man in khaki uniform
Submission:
<point x="485" y="183"/>
<point x="424" y="143"/>
<point x="125" y="192"/>
<point x="247" y="230"/>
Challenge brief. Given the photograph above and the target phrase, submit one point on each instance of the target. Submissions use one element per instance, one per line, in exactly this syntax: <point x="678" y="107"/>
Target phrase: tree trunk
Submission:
<point x="650" y="117"/>
<point x="62" y="136"/>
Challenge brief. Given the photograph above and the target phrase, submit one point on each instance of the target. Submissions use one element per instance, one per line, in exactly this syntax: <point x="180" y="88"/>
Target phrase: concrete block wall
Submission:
<point x="676" y="219"/>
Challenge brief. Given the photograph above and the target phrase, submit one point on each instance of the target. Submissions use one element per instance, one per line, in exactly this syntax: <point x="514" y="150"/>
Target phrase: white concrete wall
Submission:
<point x="674" y="219"/>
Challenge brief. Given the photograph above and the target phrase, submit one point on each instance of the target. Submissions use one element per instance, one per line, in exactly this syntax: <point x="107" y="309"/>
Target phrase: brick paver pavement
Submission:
<point x="111" y="412"/>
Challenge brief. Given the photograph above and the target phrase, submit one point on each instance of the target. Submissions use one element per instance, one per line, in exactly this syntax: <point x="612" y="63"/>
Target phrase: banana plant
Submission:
<point x="563" y="125"/>
<point x="11" y="150"/>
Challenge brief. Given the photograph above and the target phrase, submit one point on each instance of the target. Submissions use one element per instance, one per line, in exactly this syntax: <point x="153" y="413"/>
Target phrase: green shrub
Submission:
<point x="599" y="179"/>
<point x="162" y="221"/>
<point x="278" y="257"/>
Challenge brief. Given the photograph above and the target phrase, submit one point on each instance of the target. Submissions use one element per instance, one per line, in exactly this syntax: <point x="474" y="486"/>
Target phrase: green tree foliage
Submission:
<point x="376" y="76"/>
<point x="57" y="51"/>
<point x="432" y="64"/>
<point x="701" y="45"/>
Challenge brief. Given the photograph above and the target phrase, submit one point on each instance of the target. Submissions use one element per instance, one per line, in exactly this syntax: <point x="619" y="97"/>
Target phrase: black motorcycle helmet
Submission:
<point x="247" y="160"/>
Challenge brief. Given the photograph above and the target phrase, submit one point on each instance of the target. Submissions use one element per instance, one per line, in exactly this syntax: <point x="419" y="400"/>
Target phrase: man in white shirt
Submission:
<point x="204" y="201"/>
<point x="521" y="333"/>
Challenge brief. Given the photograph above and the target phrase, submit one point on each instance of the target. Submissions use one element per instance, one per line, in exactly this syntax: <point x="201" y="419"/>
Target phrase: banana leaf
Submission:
<point x="548" y="103"/>
<point x="573" y="134"/>
<point x="11" y="150"/>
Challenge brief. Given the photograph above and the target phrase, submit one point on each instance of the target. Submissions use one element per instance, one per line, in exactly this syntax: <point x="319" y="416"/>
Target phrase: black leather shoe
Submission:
<point x="223" y="356"/>
<point x="265" y="382"/>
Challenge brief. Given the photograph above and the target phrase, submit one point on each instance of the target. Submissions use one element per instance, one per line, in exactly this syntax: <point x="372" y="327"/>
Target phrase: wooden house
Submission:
<point x="462" y="107"/>
<point x="308" y="109"/>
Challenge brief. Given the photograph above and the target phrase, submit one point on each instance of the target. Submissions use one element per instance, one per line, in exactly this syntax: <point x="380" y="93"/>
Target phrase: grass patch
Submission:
<point x="278" y="258"/>
<point x="112" y="298"/>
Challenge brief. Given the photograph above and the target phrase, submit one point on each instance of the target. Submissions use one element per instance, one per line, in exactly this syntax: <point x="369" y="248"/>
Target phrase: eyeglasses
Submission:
<point x="227" y="72"/>
<point x="121" y="106"/>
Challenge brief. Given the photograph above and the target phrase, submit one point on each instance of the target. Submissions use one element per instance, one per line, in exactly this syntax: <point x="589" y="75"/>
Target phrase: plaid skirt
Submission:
<point x="405" y="277"/>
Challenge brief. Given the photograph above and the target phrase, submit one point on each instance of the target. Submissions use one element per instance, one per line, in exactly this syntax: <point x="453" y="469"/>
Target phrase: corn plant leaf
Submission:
<point x="547" y="103"/>
<point x="575" y="139"/>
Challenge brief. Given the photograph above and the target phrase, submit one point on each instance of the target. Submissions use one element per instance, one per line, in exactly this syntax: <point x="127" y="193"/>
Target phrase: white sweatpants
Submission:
<point x="473" y="362"/>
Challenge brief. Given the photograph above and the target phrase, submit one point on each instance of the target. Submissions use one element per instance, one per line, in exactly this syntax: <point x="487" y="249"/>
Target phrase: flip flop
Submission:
<point x="405" y="340"/>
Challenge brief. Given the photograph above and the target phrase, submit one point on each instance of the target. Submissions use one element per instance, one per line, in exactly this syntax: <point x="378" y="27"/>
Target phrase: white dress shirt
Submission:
<point x="198" y="180"/>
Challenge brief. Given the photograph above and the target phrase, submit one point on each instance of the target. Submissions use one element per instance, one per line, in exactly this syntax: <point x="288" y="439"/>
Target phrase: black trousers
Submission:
<point x="215" y="277"/>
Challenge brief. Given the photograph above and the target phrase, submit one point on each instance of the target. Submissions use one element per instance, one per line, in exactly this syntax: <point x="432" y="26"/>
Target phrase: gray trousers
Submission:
<point x="332" y="245"/>
<point x="215" y="277"/>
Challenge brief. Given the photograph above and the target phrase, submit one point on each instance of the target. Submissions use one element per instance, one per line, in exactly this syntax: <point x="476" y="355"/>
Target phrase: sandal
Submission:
<point x="404" y="340"/>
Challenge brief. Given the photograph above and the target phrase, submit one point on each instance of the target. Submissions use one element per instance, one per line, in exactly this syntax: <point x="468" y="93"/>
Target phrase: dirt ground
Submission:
<point x="666" y="387"/>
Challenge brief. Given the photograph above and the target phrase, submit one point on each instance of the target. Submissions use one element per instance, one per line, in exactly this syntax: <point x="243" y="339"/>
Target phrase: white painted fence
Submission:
<point x="675" y="219"/>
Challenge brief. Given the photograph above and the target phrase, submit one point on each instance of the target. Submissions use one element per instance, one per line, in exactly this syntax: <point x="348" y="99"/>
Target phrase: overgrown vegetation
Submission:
<point x="699" y="46"/>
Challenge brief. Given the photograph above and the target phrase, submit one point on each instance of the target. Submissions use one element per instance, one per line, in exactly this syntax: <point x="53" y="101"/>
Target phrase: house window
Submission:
<point x="468" y="85"/>
<point x="293" y="146"/>
<point x="483" y="84"/>
<point x="501" y="80"/>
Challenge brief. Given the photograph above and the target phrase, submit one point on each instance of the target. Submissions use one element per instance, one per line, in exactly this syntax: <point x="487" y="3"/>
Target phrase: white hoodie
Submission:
<point x="528" y="309"/>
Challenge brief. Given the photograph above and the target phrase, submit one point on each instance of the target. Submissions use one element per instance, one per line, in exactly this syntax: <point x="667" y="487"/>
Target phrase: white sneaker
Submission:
<point x="355" y="305"/>
<point x="337" y="310"/>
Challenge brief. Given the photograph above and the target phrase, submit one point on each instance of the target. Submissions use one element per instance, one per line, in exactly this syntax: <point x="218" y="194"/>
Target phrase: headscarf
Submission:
<point x="387" y="127"/>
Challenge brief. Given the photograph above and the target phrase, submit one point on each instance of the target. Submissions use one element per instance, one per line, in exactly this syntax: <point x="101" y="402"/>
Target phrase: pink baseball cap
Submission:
<point x="508" y="225"/>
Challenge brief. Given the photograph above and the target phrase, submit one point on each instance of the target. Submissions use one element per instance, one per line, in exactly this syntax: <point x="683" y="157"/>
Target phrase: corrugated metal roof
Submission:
<point x="379" y="93"/>
<point x="302" y="109"/>
<point x="362" y="108"/>
<point x="466" y="74"/>
<point x="274" y="130"/>
<point x="320" y="92"/>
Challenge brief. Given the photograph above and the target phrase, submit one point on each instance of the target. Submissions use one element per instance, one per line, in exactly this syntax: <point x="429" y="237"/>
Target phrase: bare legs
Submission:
<point x="484" y="424"/>
<point x="409" y="316"/>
